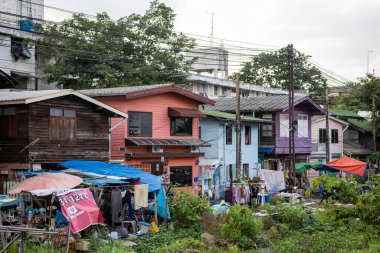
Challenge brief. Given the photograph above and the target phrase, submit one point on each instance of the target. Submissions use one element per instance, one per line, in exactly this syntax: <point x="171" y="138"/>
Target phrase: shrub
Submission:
<point x="183" y="245"/>
<point x="212" y="223"/>
<point x="293" y="216"/>
<point x="346" y="190"/>
<point x="241" y="227"/>
<point x="188" y="209"/>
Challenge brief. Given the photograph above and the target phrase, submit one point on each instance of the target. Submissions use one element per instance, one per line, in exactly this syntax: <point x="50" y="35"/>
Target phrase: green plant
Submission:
<point x="183" y="245"/>
<point x="188" y="209"/>
<point x="345" y="190"/>
<point x="241" y="227"/>
<point x="293" y="216"/>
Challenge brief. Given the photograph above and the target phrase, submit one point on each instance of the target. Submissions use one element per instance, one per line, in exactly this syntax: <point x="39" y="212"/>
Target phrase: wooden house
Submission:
<point x="274" y="136"/>
<point x="52" y="126"/>
<point x="162" y="132"/>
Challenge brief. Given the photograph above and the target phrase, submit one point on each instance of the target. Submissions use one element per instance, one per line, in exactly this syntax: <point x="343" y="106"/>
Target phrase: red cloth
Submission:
<point x="79" y="207"/>
<point x="349" y="165"/>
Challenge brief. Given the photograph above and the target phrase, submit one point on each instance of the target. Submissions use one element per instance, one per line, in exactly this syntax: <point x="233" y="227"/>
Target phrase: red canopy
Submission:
<point x="348" y="165"/>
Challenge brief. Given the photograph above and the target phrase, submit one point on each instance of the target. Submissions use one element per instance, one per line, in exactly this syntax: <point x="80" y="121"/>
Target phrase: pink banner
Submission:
<point x="79" y="207"/>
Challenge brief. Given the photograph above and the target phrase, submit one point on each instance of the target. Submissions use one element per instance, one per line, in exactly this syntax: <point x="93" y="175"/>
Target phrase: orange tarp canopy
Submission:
<point x="347" y="164"/>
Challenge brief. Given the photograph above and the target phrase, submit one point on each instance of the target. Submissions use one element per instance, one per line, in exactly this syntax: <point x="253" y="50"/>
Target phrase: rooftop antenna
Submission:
<point x="212" y="29"/>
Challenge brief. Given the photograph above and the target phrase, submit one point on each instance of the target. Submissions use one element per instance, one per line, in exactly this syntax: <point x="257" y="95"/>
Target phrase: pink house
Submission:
<point x="161" y="134"/>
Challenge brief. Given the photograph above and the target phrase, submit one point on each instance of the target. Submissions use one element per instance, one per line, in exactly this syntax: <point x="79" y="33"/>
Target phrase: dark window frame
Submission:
<point x="267" y="132"/>
<point x="145" y="130"/>
<point x="334" y="136"/>
<point x="188" y="126"/>
<point x="228" y="135"/>
<point x="322" y="135"/>
<point x="248" y="135"/>
<point x="8" y="123"/>
<point x="185" y="177"/>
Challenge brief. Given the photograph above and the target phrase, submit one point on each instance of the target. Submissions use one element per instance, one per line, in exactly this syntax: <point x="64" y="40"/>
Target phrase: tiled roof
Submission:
<point x="231" y="116"/>
<point x="344" y="113"/>
<point x="256" y="104"/>
<point x="119" y="90"/>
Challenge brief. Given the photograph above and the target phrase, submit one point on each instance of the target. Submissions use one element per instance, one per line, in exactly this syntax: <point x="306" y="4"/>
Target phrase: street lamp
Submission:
<point x="369" y="51"/>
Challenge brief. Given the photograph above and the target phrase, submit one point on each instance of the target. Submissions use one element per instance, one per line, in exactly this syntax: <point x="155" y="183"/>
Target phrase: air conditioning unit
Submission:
<point x="157" y="149"/>
<point x="194" y="149"/>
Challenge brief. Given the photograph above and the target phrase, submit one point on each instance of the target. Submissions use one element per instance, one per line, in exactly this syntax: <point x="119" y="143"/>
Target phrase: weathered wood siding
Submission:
<point x="267" y="140"/>
<point x="10" y="149"/>
<point x="33" y="122"/>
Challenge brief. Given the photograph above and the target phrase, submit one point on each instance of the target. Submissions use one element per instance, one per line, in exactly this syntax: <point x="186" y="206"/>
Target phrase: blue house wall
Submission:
<point x="213" y="131"/>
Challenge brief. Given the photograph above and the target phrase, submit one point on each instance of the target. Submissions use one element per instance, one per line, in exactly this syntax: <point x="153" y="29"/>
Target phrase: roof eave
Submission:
<point x="320" y="109"/>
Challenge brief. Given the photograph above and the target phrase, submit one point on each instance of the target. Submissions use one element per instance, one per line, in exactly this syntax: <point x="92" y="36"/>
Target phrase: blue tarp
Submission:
<point x="100" y="182"/>
<point x="266" y="150"/>
<point x="116" y="170"/>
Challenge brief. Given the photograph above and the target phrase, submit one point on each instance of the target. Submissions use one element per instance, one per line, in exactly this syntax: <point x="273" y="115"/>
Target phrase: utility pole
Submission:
<point x="292" y="157"/>
<point x="374" y="120"/>
<point x="238" y="127"/>
<point x="327" y="126"/>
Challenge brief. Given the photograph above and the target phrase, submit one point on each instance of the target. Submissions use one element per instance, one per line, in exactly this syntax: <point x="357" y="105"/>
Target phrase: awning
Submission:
<point x="100" y="182"/>
<point x="165" y="142"/>
<point x="301" y="167"/>
<point x="266" y="149"/>
<point x="346" y="164"/>
<point x="209" y="162"/>
<point x="185" y="112"/>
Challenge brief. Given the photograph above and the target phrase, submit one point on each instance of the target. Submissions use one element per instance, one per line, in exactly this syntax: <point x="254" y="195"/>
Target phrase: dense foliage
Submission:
<point x="271" y="69"/>
<point x="188" y="209"/>
<point x="97" y="53"/>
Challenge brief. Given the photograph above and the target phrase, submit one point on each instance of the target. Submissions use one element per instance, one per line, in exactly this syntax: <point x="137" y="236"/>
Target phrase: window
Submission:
<point x="245" y="170"/>
<point x="63" y="124"/>
<point x="181" y="176"/>
<point x="215" y="90"/>
<point x="322" y="135"/>
<point x="224" y="91"/>
<point x="247" y="136"/>
<point x="140" y="124"/>
<point x="334" y="136"/>
<point x="181" y="126"/>
<point x="245" y="93"/>
<point x="8" y="123"/>
<point x="267" y="130"/>
<point x="303" y="126"/>
<point x="284" y="125"/>
<point x="200" y="132"/>
<point x="228" y="135"/>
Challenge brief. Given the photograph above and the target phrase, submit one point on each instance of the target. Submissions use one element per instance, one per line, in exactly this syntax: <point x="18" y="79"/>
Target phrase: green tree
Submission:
<point x="98" y="53"/>
<point x="271" y="70"/>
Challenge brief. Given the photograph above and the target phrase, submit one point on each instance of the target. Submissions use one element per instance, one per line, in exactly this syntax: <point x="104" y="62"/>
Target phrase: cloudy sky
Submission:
<point x="337" y="34"/>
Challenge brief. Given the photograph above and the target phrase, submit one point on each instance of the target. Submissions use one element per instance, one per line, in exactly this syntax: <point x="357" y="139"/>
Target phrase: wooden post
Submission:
<point x="3" y="239"/>
<point x="155" y="209"/>
<point x="68" y="238"/>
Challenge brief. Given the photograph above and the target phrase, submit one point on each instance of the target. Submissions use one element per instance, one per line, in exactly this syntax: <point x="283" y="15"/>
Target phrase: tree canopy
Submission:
<point x="137" y="49"/>
<point x="360" y="97"/>
<point x="271" y="70"/>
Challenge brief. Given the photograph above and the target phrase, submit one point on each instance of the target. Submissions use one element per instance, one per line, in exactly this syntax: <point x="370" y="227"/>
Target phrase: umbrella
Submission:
<point x="47" y="182"/>
<point x="300" y="167"/>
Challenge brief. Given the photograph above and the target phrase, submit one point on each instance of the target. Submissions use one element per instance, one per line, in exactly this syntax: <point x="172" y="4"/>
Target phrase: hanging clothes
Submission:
<point x="141" y="196"/>
<point x="128" y="200"/>
<point x="116" y="205"/>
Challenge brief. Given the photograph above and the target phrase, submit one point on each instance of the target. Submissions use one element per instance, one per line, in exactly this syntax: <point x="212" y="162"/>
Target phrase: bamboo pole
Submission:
<point x="155" y="209"/>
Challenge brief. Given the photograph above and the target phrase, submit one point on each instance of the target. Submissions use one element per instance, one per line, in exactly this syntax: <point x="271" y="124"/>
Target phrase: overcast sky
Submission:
<point x="337" y="33"/>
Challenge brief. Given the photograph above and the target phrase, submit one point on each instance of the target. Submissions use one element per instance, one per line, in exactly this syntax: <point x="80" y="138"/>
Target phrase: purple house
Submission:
<point x="274" y="137"/>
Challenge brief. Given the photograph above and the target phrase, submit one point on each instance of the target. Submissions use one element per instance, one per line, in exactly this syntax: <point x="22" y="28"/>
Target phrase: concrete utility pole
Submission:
<point x="374" y="121"/>
<point x="238" y="127"/>
<point x="327" y="127"/>
<point x="292" y="157"/>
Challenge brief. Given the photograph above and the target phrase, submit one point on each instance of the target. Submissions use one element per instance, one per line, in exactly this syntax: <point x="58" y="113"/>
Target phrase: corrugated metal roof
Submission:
<point x="23" y="95"/>
<point x="266" y="149"/>
<point x="257" y="104"/>
<point x="344" y="113"/>
<point x="164" y="142"/>
<point x="361" y="124"/>
<point x="231" y="116"/>
<point x="119" y="91"/>
<point x="27" y="97"/>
